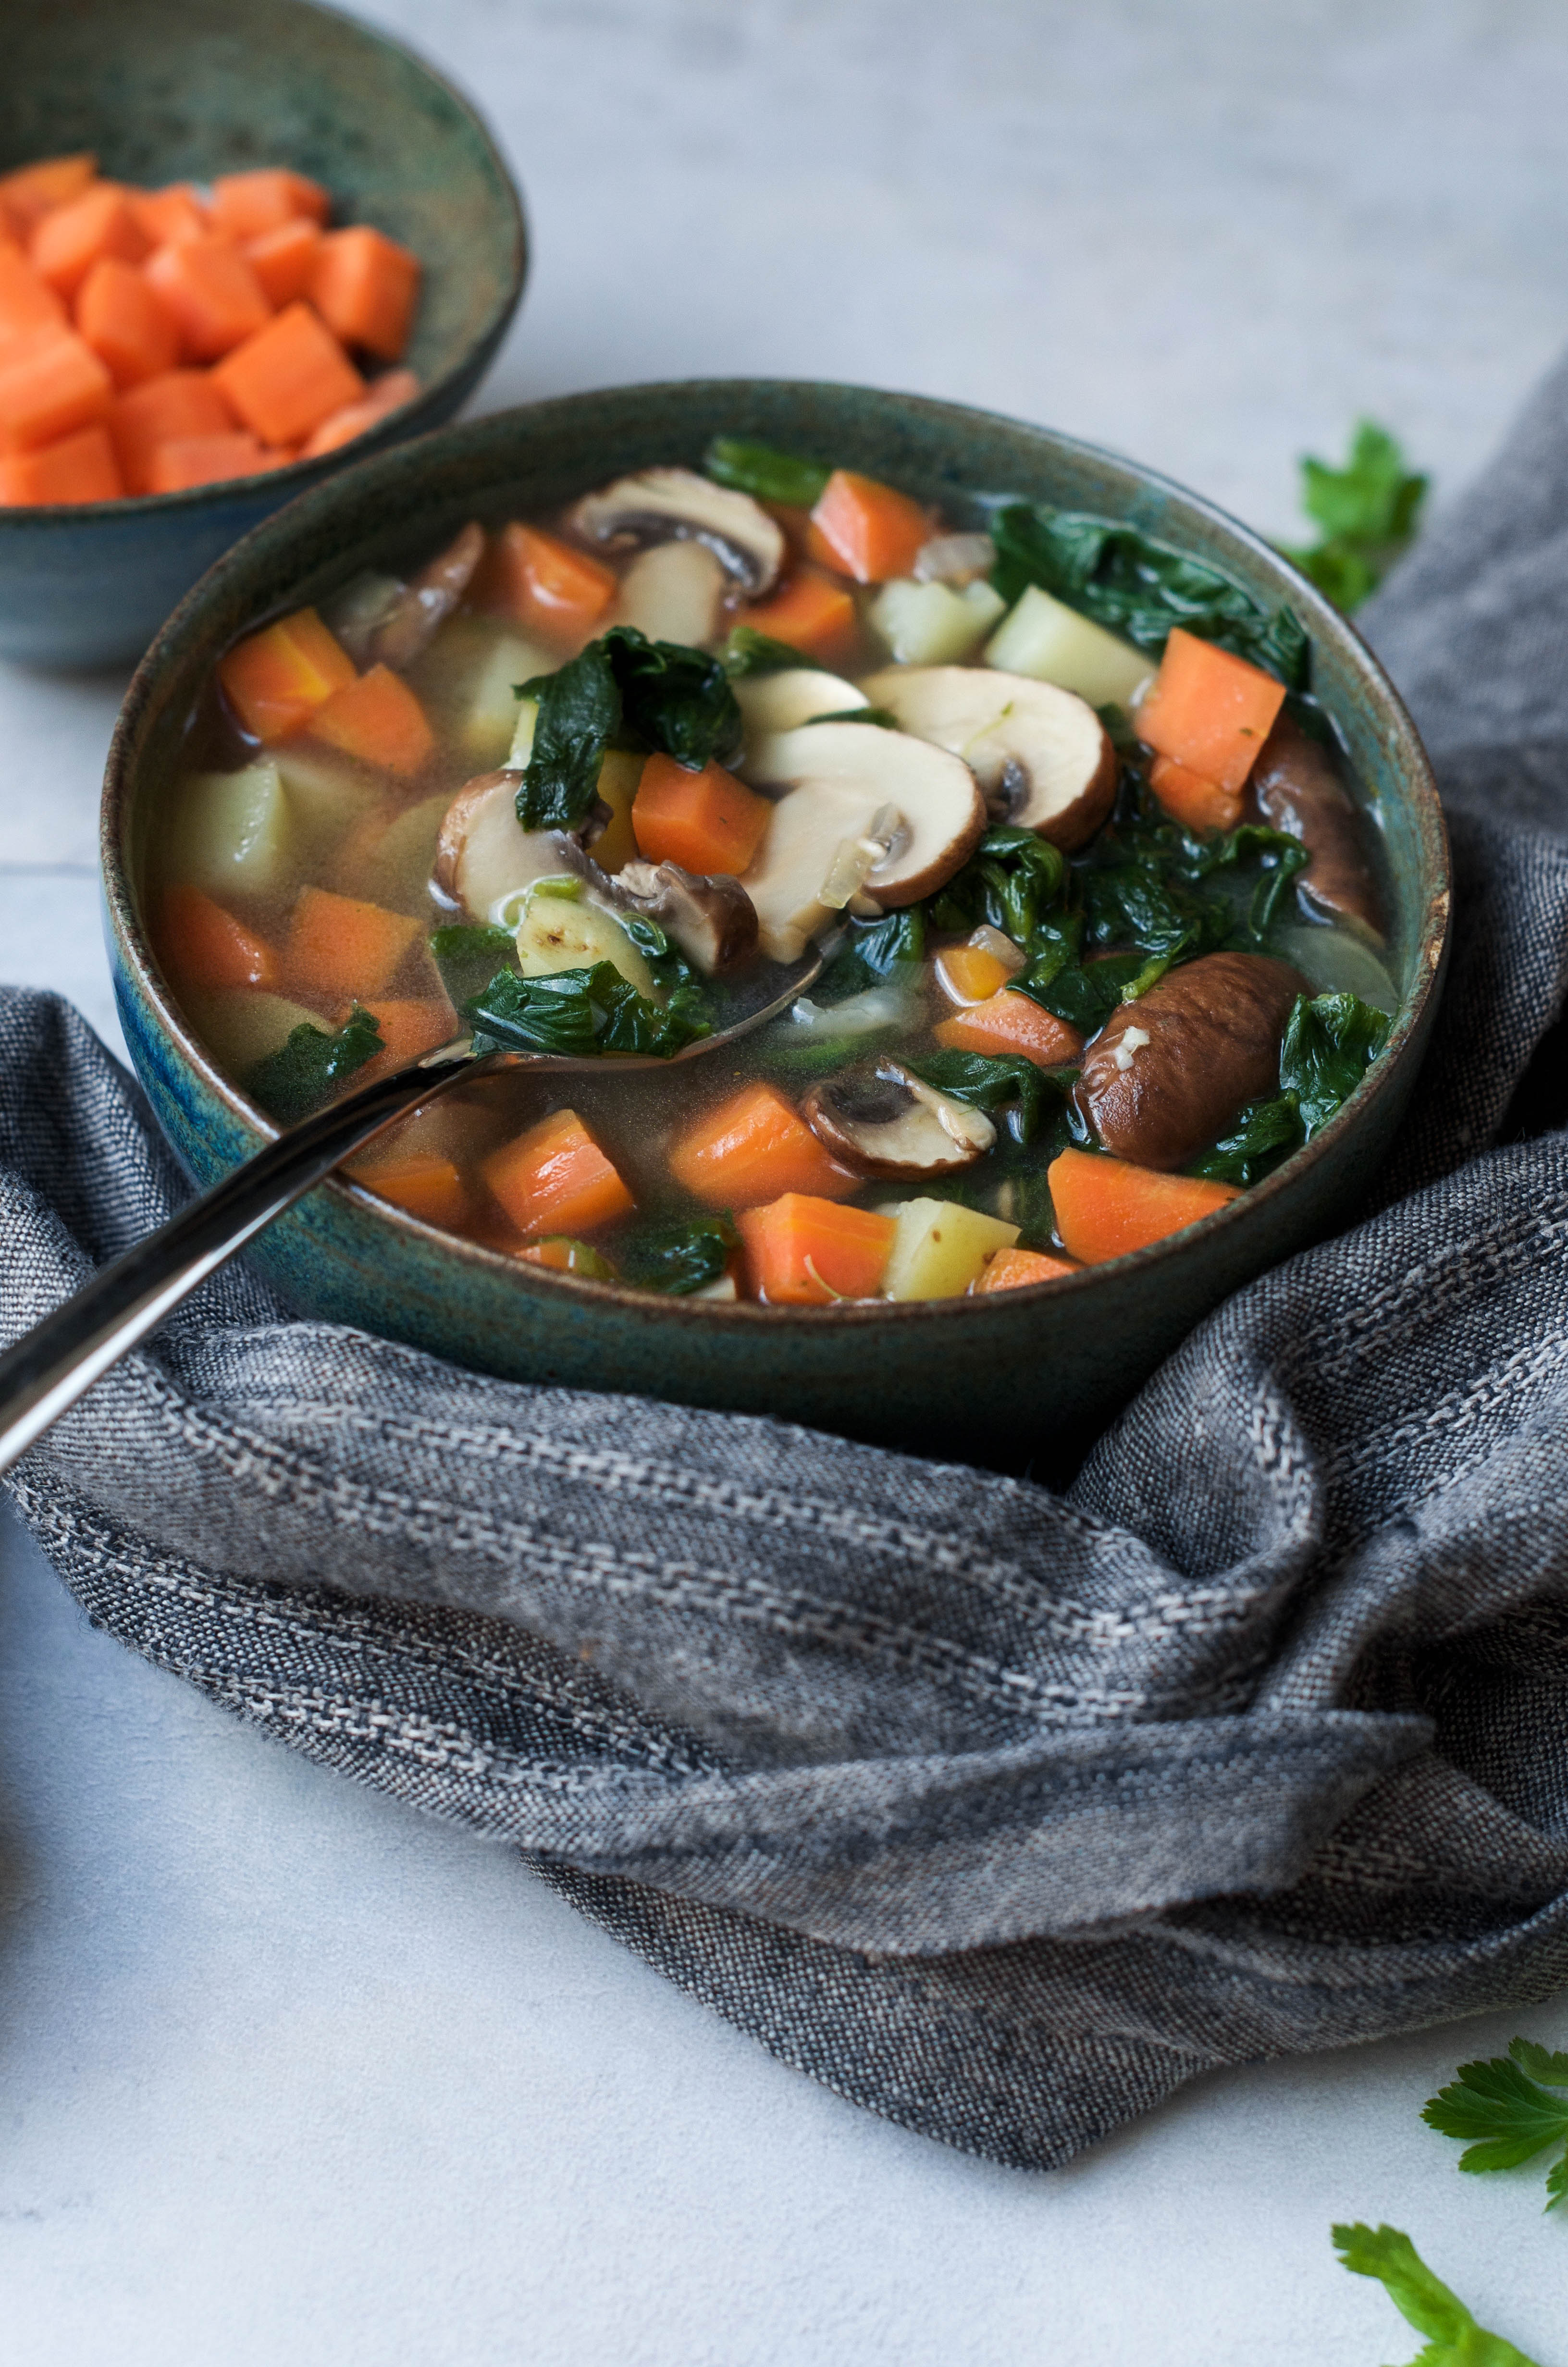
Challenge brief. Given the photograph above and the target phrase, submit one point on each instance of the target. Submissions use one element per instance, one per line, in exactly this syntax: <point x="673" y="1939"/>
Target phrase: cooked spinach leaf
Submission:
<point x="1329" y="1043"/>
<point x="749" y="652"/>
<point x="767" y="474"/>
<point x="680" y="1258"/>
<point x="1085" y="995"/>
<point x="1135" y="903"/>
<point x="581" y="1013"/>
<point x="991" y="1083"/>
<point x="1261" y="1135"/>
<point x="579" y="712"/>
<point x="1370" y="512"/>
<point x="882" y="717"/>
<point x="871" y="951"/>
<point x="677" y="700"/>
<point x="468" y="958"/>
<point x="1011" y="880"/>
<point x="301" y="1073"/>
<point x="1140" y="587"/>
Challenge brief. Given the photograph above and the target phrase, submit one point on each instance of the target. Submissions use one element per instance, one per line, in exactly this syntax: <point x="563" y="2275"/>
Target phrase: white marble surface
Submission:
<point x="285" y="2072"/>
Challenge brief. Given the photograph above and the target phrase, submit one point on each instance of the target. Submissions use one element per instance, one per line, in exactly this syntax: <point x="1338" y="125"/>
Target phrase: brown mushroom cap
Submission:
<point x="1297" y="788"/>
<point x="884" y="1121"/>
<point x="1167" y="1075"/>
<point x="427" y="601"/>
<point x="1041" y="755"/>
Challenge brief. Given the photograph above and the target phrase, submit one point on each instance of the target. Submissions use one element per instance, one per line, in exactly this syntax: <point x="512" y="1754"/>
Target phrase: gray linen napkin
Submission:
<point x="1000" y="1811"/>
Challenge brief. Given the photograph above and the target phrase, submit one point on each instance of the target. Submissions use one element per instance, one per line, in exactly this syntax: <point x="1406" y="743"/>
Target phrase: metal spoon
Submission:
<point x="58" y="1361"/>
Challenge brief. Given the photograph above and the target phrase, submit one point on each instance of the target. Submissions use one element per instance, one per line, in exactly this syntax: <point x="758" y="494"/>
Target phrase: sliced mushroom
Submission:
<point x="484" y="855"/>
<point x="884" y="1121"/>
<point x="1041" y="755"/>
<point x="1297" y="788"/>
<point x="795" y="695"/>
<point x="676" y="505"/>
<point x="428" y="600"/>
<point x="674" y="593"/>
<point x="839" y="778"/>
<point x="713" y="919"/>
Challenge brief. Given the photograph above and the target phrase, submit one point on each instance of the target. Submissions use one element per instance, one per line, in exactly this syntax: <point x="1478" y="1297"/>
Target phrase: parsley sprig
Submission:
<point x="1388" y="2254"/>
<point x="1507" y="2107"/>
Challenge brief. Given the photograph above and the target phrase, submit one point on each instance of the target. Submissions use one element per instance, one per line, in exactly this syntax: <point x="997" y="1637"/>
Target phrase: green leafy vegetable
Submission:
<point x="1139" y="587"/>
<point x="680" y="1258"/>
<point x="580" y="1013"/>
<point x="1456" y="2340"/>
<point x="882" y="717"/>
<point x="872" y="951"/>
<point x="1370" y="512"/>
<point x="749" y="652"/>
<point x="468" y="957"/>
<point x="302" y="1072"/>
<point x="1085" y="995"/>
<point x="676" y="699"/>
<point x="767" y="474"/>
<point x="1010" y="880"/>
<point x="990" y="1083"/>
<point x="1263" y="1134"/>
<point x="1506" y="2105"/>
<point x="1329" y="1043"/>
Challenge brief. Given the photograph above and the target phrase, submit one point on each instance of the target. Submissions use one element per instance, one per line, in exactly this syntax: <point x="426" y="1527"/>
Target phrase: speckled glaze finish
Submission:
<point x="166" y="90"/>
<point x="996" y="1377"/>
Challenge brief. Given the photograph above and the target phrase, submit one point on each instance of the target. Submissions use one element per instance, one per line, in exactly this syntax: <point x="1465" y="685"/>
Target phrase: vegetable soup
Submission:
<point x="1027" y="824"/>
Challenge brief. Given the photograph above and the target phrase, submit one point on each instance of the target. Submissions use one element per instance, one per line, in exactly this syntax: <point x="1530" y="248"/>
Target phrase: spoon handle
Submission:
<point x="58" y="1361"/>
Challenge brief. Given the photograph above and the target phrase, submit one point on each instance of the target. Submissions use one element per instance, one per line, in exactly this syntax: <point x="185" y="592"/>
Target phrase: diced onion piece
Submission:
<point x="955" y="558"/>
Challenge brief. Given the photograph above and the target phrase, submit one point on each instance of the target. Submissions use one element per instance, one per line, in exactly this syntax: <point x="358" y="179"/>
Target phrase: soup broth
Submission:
<point x="1032" y="827"/>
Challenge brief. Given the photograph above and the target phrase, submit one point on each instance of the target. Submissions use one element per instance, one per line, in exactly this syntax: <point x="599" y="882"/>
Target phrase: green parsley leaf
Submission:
<point x="1502" y="2104"/>
<point x="679" y="1259"/>
<point x="301" y="1075"/>
<point x="1370" y="512"/>
<point x="767" y="474"/>
<point x="1388" y="2254"/>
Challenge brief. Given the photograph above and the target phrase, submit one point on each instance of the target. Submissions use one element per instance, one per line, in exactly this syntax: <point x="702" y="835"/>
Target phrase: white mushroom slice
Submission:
<point x="839" y="777"/>
<point x="1041" y="755"/>
<point x="884" y="1121"/>
<point x="777" y="702"/>
<point x="674" y="593"/>
<point x="670" y="505"/>
<point x="484" y="856"/>
<point x="562" y="928"/>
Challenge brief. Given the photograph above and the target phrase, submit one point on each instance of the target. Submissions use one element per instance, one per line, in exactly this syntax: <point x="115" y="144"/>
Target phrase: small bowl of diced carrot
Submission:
<point x="216" y="287"/>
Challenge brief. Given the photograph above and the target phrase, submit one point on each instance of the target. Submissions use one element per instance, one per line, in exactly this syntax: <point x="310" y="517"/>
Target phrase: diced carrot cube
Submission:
<point x="386" y="394"/>
<point x="802" y="1251"/>
<point x="1010" y="1022"/>
<point x="120" y="317"/>
<point x="1106" y="1207"/>
<point x="180" y="403"/>
<point x="410" y="1025"/>
<point x="287" y="378"/>
<point x="182" y="461"/>
<point x="51" y="384"/>
<point x="555" y="1179"/>
<point x="1208" y="712"/>
<point x="275" y="679"/>
<point x="970" y="974"/>
<point x="365" y="289"/>
<point x="874" y="532"/>
<point x="33" y="190"/>
<point x="1015" y="1269"/>
<point x="753" y="1149"/>
<point x="341" y="946"/>
<point x="810" y="612"/>
<point x="212" y="293"/>
<point x="706" y="821"/>
<point x="284" y="259"/>
<point x="420" y="1181"/>
<point x="378" y="720"/>
<point x="205" y="948"/>
<point x="543" y="584"/>
<point x="245" y="205"/>
<point x="68" y="242"/>
<point x="166" y="216"/>
<point x="79" y="468"/>
<point x="27" y="305"/>
<point x="1196" y="803"/>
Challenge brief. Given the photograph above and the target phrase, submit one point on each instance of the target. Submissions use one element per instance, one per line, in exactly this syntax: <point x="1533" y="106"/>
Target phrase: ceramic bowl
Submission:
<point x="996" y="1377"/>
<point x="168" y="90"/>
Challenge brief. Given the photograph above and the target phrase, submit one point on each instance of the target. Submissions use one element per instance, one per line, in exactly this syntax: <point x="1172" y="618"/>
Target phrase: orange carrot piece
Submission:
<point x="70" y="240"/>
<point x="1106" y="1207"/>
<point x="543" y="584"/>
<point x="166" y="216"/>
<point x="810" y="612"/>
<point x="387" y="393"/>
<point x="275" y="679"/>
<point x="33" y="190"/>
<point x="51" y="384"/>
<point x="290" y="376"/>
<point x="873" y="532"/>
<point x="706" y="821"/>
<point x="1010" y="1022"/>
<point x="180" y="403"/>
<point x="27" y="306"/>
<point x="365" y="289"/>
<point x="410" y="1024"/>
<point x="79" y="468"/>
<point x="212" y="293"/>
<point x="420" y="1181"/>
<point x="341" y="946"/>
<point x="555" y="1179"/>
<point x="1015" y="1269"/>
<point x="378" y="720"/>
<point x="181" y="461"/>
<point x="1196" y="803"/>
<point x="802" y="1251"/>
<point x="246" y="205"/>
<point x="205" y="948"/>
<point x="970" y="974"/>
<point x="1208" y="712"/>
<point x="120" y="317"/>
<point x="753" y="1148"/>
<point x="284" y="259"/>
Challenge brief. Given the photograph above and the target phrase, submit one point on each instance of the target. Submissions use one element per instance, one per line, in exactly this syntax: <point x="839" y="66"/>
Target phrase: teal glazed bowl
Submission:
<point x="171" y="90"/>
<point x="998" y="1377"/>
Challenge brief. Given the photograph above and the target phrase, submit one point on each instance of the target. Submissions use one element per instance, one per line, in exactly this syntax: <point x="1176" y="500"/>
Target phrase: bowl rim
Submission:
<point x="299" y="476"/>
<point x="1409" y="763"/>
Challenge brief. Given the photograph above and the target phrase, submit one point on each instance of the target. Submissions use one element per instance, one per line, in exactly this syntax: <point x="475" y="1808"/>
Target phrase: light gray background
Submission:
<point x="287" y="2074"/>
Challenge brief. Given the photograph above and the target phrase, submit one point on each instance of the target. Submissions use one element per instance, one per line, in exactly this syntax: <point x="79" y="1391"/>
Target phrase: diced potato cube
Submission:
<point x="930" y="624"/>
<point x="619" y="773"/>
<point x="241" y="1024"/>
<point x="397" y="870"/>
<point x="940" y="1248"/>
<point x="233" y="831"/>
<point x="326" y="792"/>
<point x="1044" y="638"/>
<point x="490" y="717"/>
